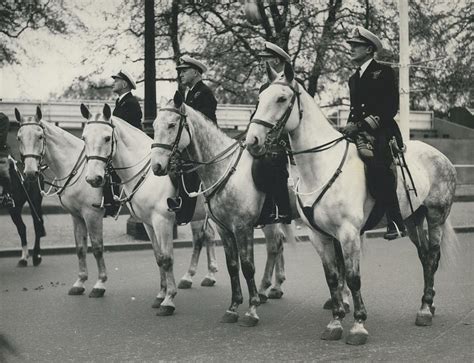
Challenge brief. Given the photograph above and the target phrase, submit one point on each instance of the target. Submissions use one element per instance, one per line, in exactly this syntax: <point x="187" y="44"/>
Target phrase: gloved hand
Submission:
<point x="350" y="129"/>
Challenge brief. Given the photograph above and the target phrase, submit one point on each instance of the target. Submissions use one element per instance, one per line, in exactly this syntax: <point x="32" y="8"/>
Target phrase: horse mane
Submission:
<point x="210" y="136"/>
<point x="133" y="132"/>
<point x="61" y="133"/>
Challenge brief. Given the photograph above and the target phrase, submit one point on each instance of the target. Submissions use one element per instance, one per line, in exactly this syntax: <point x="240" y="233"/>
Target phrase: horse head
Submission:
<point x="31" y="142"/>
<point x="98" y="136"/>
<point x="169" y="137"/>
<point x="275" y="110"/>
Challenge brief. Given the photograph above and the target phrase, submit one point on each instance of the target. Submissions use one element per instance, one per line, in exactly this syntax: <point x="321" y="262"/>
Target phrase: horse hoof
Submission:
<point x="248" y="321"/>
<point x="263" y="298"/>
<point x="208" y="282"/>
<point x="275" y="294"/>
<point x="424" y="318"/>
<point x="97" y="292"/>
<point x="22" y="263"/>
<point x="185" y="284"/>
<point x="76" y="290"/>
<point x="230" y="317"/>
<point x="332" y="334"/>
<point x="37" y="260"/>
<point x="357" y="338"/>
<point x="157" y="303"/>
<point x="328" y="306"/>
<point x="165" y="310"/>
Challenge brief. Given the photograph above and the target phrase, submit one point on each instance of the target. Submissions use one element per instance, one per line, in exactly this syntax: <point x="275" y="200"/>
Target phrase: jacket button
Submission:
<point x="363" y="105"/>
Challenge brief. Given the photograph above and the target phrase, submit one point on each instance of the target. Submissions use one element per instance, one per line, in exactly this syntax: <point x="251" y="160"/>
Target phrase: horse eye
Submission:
<point x="281" y="99"/>
<point x="171" y="126"/>
<point x="107" y="138"/>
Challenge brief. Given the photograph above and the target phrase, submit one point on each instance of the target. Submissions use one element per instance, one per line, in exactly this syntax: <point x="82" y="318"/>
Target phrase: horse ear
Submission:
<point x="289" y="73"/>
<point x="271" y="73"/>
<point x="85" y="112"/>
<point x="178" y="99"/>
<point x="163" y="101"/>
<point x="107" y="112"/>
<point x="17" y="115"/>
<point x="39" y="114"/>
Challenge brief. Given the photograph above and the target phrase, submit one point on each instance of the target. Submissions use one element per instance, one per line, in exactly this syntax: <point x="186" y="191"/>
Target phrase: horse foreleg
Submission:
<point x="245" y="243"/>
<point x="160" y="297"/>
<point x="325" y="247"/>
<point x="80" y="237"/>
<point x="15" y="214"/>
<point x="95" y="228"/>
<point x="232" y="262"/>
<point x="161" y="236"/>
<point x="350" y="244"/>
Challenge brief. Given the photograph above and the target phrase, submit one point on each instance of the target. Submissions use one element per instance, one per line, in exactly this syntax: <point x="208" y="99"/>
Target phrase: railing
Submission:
<point x="67" y="114"/>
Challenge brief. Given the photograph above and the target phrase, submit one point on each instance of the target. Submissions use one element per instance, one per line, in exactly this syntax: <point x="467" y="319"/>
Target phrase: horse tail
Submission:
<point x="449" y="245"/>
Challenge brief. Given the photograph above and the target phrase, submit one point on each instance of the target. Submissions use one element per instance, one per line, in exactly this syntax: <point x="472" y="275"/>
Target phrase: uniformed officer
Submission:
<point x="201" y="98"/>
<point x="127" y="106"/>
<point x="128" y="109"/>
<point x="374" y="103"/>
<point x="276" y="208"/>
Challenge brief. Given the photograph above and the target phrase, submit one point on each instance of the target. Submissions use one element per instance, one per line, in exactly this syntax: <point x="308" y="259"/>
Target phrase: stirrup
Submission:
<point x="99" y="206"/>
<point x="397" y="233"/>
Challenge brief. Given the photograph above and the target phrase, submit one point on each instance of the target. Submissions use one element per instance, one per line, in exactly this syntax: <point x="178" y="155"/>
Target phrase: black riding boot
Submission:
<point x="395" y="225"/>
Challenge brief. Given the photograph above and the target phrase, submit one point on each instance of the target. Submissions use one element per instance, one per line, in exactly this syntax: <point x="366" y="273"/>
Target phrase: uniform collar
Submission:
<point x="364" y="66"/>
<point x="122" y="96"/>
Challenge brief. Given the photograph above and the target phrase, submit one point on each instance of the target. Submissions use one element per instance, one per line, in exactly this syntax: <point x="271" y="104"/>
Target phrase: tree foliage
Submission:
<point x="20" y="16"/>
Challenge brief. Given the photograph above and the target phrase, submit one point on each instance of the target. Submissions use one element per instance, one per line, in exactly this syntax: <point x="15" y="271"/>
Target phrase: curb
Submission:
<point x="140" y="246"/>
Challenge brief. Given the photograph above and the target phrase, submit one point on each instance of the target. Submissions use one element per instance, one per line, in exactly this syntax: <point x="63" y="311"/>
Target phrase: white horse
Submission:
<point x="111" y="142"/>
<point x="232" y="200"/>
<point x="43" y="143"/>
<point x="343" y="203"/>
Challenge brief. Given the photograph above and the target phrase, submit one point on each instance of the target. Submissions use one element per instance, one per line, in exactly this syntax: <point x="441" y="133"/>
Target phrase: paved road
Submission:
<point x="44" y="324"/>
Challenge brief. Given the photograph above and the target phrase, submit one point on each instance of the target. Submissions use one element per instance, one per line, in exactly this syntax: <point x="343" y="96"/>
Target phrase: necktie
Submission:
<point x="117" y="102"/>
<point x="357" y="73"/>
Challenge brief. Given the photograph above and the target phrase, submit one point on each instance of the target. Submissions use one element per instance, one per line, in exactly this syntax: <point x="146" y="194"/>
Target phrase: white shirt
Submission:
<point x="364" y="66"/>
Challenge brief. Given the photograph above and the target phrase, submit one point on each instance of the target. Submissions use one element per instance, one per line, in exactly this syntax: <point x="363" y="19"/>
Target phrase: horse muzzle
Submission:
<point x="159" y="170"/>
<point x="96" y="181"/>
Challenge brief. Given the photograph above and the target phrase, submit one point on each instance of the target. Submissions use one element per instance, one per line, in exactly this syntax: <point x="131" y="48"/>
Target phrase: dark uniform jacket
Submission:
<point x="129" y="109"/>
<point x="374" y="103"/>
<point x="201" y="98"/>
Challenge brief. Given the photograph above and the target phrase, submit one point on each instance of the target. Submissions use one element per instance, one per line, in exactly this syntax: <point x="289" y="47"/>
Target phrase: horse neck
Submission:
<point x="132" y="145"/>
<point x="207" y="142"/>
<point x="62" y="149"/>
<point x="315" y="130"/>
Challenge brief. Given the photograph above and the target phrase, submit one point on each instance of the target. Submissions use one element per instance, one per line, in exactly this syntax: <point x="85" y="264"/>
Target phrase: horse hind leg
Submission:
<point x="208" y="235"/>
<point x="15" y="214"/>
<point x="198" y="240"/>
<point x="439" y="230"/>
<point x="271" y="242"/>
<point x="95" y="229"/>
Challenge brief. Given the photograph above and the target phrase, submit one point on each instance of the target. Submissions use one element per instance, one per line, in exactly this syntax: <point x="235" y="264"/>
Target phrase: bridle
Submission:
<point x="183" y="124"/>
<point x="39" y="156"/>
<point x="276" y="129"/>
<point x="106" y="160"/>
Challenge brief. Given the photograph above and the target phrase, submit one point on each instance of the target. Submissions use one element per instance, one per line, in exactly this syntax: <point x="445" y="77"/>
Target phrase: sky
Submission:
<point x="53" y="61"/>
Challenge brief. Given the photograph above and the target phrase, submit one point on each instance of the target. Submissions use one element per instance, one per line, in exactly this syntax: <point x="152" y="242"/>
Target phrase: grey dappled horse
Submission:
<point x="232" y="200"/>
<point x="342" y="211"/>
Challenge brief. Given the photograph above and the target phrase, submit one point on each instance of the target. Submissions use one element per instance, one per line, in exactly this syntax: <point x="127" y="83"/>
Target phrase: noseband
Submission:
<point x="276" y="129"/>
<point x="39" y="156"/>
<point x="107" y="160"/>
<point x="183" y="124"/>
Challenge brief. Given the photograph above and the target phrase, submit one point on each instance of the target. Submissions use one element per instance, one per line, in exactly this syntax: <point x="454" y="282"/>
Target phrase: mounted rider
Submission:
<point x="276" y="208"/>
<point x="5" y="185"/>
<point x="374" y="103"/>
<point x="201" y="98"/>
<point x="128" y="109"/>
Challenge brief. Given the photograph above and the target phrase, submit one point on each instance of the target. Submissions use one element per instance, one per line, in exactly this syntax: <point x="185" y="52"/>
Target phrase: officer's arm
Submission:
<point x="207" y="102"/>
